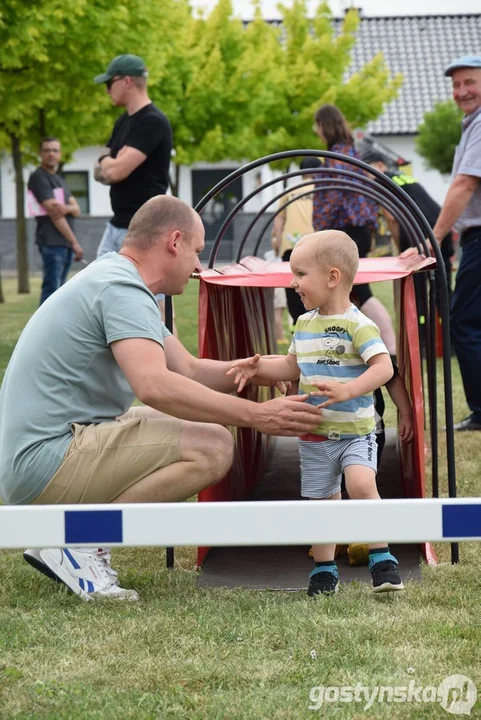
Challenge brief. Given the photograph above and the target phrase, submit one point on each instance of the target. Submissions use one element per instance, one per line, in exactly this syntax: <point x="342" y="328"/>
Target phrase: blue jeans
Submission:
<point x="466" y="321"/>
<point x="112" y="239"/>
<point x="57" y="261"/>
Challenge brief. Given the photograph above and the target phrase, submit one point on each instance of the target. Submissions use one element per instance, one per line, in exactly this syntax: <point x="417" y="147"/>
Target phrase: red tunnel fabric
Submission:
<point x="255" y="272"/>
<point x="236" y="320"/>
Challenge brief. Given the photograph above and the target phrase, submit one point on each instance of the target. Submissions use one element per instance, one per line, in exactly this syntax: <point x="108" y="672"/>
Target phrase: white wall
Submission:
<point x="435" y="183"/>
<point x="250" y="181"/>
<point x="85" y="159"/>
<point x="7" y="184"/>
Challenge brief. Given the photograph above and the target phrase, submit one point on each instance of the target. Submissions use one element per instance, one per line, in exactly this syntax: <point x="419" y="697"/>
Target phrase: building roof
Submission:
<point x="420" y="48"/>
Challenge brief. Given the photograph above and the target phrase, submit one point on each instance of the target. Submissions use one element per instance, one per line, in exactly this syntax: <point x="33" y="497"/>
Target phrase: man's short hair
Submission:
<point x="160" y="214"/>
<point x="48" y="138"/>
<point x="140" y="82"/>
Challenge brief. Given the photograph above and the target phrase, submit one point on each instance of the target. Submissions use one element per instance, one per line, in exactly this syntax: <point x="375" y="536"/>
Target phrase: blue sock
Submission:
<point x="327" y="566"/>
<point x="379" y="555"/>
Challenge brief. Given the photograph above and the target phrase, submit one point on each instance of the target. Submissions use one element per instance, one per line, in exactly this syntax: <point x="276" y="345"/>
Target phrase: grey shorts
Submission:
<point x="322" y="463"/>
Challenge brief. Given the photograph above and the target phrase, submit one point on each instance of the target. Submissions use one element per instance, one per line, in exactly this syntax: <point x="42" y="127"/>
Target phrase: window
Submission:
<point x="78" y="183"/>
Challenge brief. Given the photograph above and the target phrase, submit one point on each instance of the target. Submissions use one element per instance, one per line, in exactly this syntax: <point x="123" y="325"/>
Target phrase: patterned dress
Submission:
<point x="339" y="209"/>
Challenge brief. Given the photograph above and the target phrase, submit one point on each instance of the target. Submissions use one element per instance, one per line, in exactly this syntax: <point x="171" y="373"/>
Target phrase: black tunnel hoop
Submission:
<point x="356" y="186"/>
<point x="372" y="194"/>
<point x="384" y="183"/>
<point x="338" y="171"/>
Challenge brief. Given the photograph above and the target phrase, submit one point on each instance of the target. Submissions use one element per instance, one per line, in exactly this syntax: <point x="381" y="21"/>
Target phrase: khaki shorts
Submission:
<point x="104" y="460"/>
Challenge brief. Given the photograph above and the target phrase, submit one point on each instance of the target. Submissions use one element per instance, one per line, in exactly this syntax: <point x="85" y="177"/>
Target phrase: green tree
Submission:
<point x="238" y="92"/>
<point x="50" y="50"/>
<point x="231" y="91"/>
<point x="218" y="84"/>
<point x="438" y="136"/>
<point x="314" y="60"/>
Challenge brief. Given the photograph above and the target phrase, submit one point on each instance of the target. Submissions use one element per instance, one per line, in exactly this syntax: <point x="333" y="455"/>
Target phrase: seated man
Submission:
<point x="68" y="433"/>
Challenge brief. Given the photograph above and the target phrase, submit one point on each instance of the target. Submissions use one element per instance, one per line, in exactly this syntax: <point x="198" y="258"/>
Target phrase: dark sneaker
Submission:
<point x="323" y="583"/>
<point x="385" y="577"/>
<point x="468" y="424"/>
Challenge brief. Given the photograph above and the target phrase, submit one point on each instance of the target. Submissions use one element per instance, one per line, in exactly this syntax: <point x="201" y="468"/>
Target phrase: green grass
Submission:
<point x="224" y="654"/>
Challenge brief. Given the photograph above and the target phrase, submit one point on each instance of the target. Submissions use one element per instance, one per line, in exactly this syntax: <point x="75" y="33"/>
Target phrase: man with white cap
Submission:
<point x="462" y="209"/>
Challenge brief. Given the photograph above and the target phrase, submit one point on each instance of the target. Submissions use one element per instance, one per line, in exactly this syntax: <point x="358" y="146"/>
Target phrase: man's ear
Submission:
<point x="173" y="242"/>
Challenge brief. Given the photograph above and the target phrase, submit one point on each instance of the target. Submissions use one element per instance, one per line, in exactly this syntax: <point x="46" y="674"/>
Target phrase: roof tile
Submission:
<point x="420" y="48"/>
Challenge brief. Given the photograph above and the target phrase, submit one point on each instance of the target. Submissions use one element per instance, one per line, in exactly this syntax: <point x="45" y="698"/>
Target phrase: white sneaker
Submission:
<point x="86" y="572"/>
<point x="32" y="556"/>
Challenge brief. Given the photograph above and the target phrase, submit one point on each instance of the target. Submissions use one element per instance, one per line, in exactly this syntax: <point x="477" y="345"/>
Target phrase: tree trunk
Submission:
<point x="41" y="123"/>
<point x="22" y="241"/>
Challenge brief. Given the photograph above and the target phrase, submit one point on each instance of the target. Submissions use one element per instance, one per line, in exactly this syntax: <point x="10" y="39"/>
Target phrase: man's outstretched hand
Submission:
<point x="287" y="416"/>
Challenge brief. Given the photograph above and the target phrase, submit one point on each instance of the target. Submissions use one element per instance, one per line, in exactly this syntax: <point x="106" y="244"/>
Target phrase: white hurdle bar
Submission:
<point x="297" y="522"/>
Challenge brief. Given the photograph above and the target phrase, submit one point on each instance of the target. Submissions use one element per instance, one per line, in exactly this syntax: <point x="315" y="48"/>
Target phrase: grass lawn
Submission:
<point x="185" y="652"/>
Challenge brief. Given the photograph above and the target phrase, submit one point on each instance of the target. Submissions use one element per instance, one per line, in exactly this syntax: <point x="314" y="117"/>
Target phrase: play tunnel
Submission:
<point x="236" y="320"/>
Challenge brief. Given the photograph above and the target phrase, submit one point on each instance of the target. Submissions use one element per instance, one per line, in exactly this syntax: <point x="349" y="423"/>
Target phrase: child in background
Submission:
<point x="280" y="302"/>
<point x="339" y="357"/>
<point x="397" y="390"/>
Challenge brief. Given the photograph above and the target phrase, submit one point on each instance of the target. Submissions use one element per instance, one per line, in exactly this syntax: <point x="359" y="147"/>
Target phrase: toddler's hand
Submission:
<point x="284" y="387"/>
<point x="244" y="370"/>
<point x="406" y="428"/>
<point x="335" y="392"/>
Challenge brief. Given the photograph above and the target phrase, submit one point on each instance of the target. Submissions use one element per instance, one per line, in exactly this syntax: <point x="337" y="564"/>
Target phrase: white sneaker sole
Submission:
<point x="388" y="587"/>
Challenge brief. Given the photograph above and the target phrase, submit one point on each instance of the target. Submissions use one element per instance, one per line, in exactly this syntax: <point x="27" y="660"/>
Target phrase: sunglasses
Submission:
<point x="110" y="82"/>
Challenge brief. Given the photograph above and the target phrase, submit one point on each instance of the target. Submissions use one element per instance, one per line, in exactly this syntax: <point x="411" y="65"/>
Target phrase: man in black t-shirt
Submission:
<point x="54" y="208"/>
<point x="136" y="161"/>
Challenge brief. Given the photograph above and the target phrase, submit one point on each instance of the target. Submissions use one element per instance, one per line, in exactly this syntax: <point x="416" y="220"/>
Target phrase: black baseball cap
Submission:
<point x="126" y="65"/>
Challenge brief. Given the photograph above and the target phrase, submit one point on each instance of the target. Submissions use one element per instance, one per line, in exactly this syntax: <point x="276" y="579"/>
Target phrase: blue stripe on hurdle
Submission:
<point x="93" y="526"/>
<point x="462" y="521"/>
